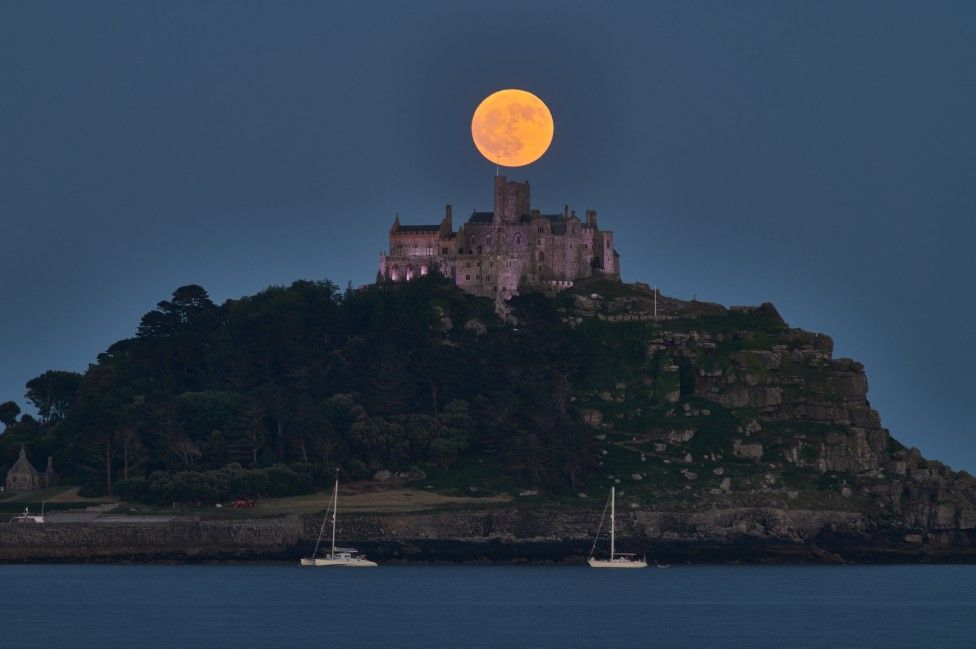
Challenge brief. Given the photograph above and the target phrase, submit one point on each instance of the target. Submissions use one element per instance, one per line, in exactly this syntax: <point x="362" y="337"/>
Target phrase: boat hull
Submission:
<point x="342" y="563"/>
<point x="617" y="563"/>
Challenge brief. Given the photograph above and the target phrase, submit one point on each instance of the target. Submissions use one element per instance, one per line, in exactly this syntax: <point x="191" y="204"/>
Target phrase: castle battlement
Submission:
<point x="495" y="253"/>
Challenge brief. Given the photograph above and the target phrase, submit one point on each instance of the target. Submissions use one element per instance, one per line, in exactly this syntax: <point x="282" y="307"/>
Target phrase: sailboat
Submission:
<point x="27" y="517"/>
<point x="617" y="559"/>
<point x="345" y="557"/>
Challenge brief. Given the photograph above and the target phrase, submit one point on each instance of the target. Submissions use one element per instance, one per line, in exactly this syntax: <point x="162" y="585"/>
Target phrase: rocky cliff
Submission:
<point x="751" y="412"/>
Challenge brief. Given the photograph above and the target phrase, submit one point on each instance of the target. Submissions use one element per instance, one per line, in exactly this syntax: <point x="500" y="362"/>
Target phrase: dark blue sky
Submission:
<point x="821" y="156"/>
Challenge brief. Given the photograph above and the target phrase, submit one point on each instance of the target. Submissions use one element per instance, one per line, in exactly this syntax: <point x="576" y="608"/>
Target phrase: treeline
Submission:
<point x="265" y="395"/>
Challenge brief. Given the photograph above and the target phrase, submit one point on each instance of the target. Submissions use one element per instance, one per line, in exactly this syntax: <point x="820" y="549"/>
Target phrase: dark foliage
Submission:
<point x="263" y="395"/>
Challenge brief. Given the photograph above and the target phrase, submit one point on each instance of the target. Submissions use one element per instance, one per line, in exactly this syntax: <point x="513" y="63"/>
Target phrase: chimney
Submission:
<point x="591" y="218"/>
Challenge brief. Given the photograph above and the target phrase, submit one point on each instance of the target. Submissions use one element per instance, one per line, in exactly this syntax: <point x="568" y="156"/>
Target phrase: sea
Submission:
<point x="474" y="606"/>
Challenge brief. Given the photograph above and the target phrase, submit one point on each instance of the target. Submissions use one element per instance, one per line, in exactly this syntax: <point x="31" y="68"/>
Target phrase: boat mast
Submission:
<point x="613" y="508"/>
<point x="335" y="505"/>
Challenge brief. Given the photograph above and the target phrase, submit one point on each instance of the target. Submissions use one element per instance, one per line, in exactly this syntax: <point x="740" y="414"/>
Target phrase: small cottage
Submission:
<point x="22" y="476"/>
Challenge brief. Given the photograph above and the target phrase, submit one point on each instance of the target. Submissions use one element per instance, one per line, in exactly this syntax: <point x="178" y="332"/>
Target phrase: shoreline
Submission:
<point x="504" y="536"/>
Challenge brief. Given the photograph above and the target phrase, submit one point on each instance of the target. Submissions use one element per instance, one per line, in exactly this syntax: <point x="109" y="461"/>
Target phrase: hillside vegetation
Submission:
<point x="697" y="407"/>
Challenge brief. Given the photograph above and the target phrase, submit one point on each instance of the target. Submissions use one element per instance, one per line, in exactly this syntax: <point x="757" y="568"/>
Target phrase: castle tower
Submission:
<point x="511" y="199"/>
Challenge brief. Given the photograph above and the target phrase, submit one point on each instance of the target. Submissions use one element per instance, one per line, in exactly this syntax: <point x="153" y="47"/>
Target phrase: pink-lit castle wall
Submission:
<point x="495" y="253"/>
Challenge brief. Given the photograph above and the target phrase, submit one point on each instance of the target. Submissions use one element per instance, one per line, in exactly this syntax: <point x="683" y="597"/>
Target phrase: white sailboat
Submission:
<point x="340" y="557"/>
<point x="27" y="517"/>
<point x="617" y="559"/>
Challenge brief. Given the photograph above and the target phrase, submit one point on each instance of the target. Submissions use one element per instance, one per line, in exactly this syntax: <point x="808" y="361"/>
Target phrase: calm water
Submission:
<point x="403" y="607"/>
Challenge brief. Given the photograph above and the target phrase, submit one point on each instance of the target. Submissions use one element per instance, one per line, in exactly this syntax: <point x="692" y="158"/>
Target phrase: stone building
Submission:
<point x="22" y="476"/>
<point x="495" y="253"/>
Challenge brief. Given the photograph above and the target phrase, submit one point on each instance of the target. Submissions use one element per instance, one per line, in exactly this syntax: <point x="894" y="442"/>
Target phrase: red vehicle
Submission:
<point x="243" y="503"/>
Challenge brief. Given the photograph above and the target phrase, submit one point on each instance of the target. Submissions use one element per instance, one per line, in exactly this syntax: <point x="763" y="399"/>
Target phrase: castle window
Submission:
<point x="488" y="240"/>
<point x="467" y="277"/>
<point x="479" y="250"/>
<point x="518" y="239"/>
<point x="443" y="251"/>
<point x="541" y="229"/>
<point x="468" y="265"/>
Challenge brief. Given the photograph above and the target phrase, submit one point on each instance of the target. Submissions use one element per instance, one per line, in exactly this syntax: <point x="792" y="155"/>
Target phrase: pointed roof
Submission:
<point x="22" y="465"/>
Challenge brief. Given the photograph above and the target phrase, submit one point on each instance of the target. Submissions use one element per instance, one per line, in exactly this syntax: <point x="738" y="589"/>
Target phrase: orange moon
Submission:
<point x="512" y="128"/>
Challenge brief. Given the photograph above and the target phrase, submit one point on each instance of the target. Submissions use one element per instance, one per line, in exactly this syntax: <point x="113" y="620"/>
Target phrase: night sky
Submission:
<point x="821" y="156"/>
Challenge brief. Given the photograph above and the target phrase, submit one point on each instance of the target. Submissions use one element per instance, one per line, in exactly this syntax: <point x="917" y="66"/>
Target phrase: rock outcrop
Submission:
<point x="775" y="397"/>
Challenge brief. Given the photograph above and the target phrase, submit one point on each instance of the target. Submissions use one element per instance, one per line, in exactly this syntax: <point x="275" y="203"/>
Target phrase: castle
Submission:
<point x="495" y="253"/>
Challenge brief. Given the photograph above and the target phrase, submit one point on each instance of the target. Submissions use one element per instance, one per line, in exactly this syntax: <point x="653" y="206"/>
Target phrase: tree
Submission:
<point x="189" y="304"/>
<point x="246" y="433"/>
<point x="8" y="413"/>
<point x="454" y="433"/>
<point x="53" y="393"/>
<point x="180" y="328"/>
<point x="186" y="451"/>
<point x="133" y="453"/>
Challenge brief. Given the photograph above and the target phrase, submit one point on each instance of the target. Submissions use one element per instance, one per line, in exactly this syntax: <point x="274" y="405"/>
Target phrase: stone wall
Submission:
<point x="504" y="534"/>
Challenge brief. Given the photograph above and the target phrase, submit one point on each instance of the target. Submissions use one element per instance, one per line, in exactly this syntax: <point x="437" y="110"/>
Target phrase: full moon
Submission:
<point x="512" y="128"/>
